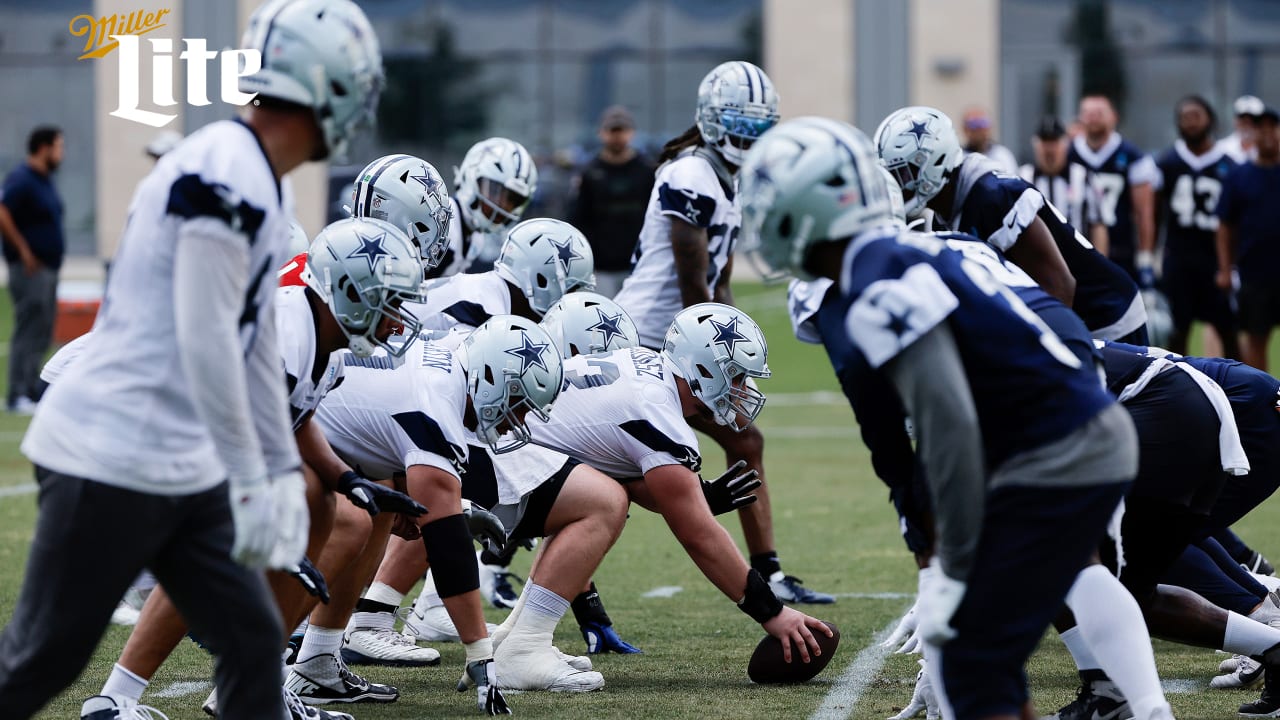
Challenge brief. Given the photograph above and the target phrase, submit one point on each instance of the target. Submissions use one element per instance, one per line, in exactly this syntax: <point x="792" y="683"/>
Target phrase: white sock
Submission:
<point x="320" y="641"/>
<point x="124" y="684"/>
<point x="543" y="609"/>
<point x="383" y="593"/>
<point x="1248" y="637"/>
<point x="1079" y="649"/>
<point x="429" y="597"/>
<point x="1111" y="623"/>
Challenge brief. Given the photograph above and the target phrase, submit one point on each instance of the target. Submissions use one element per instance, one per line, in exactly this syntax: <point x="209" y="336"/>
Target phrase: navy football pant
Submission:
<point x="91" y="541"/>
<point x="1201" y="570"/>
<point x="1043" y="537"/>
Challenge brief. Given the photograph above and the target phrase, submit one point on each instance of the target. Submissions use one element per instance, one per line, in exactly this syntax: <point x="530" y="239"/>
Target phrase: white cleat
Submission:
<point x="432" y="624"/>
<point x="1248" y="673"/>
<point x="498" y="633"/>
<point x="369" y="646"/>
<point x="106" y="707"/>
<point x="1230" y="664"/>
<point x="529" y="662"/>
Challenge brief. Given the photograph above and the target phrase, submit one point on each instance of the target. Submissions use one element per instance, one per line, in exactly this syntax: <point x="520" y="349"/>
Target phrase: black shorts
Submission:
<point x="1259" y="304"/>
<point x="1179" y="462"/>
<point x="1193" y="295"/>
<point x="533" y="522"/>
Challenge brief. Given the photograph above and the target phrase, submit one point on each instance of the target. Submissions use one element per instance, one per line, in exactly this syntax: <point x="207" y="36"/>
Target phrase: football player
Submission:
<point x="1065" y="185"/>
<point x="1189" y="184"/>
<point x="628" y="413"/>
<point x="685" y="256"/>
<point x="491" y="190"/>
<point x="1124" y="177"/>
<point x="919" y="148"/>
<point x="166" y="444"/>
<point x="1024" y="448"/>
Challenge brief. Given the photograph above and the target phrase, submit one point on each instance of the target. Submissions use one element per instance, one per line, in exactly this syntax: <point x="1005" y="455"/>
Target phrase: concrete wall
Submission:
<point x="955" y="55"/>
<point x="808" y="53"/>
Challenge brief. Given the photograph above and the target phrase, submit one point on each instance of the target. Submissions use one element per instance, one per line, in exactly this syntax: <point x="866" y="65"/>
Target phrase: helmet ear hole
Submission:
<point x="337" y="88"/>
<point x="836" y="180"/>
<point x="542" y="281"/>
<point x="704" y="372"/>
<point x="488" y="374"/>
<point x="784" y="226"/>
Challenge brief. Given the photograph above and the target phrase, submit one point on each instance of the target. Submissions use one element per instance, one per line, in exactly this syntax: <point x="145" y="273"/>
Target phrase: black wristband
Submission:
<point x="759" y="602"/>
<point x="346" y="480"/>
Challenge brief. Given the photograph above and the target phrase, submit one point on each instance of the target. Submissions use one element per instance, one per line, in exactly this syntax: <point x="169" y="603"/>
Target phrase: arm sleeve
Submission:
<point x="930" y="379"/>
<point x="1144" y="171"/>
<point x="268" y="398"/>
<point x="211" y="274"/>
<point x="1228" y="210"/>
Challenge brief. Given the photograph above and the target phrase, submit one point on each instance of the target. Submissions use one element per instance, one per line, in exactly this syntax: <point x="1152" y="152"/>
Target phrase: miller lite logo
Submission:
<point x="103" y="35"/>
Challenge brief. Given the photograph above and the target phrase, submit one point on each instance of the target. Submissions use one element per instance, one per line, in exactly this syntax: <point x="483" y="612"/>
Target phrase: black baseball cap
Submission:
<point x="1050" y="128"/>
<point x="1267" y="113"/>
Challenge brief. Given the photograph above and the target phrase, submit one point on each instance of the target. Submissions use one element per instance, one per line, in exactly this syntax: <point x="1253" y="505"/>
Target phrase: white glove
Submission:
<point x="293" y="521"/>
<point x="904" y="637"/>
<point x="253" y="510"/>
<point x="936" y="604"/>
<point x="924" y="698"/>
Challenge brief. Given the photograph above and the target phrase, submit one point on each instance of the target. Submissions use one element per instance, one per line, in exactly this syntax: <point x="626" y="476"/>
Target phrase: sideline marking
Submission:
<point x="15" y="490"/>
<point x="848" y="688"/>
<point x="665" y="591"/>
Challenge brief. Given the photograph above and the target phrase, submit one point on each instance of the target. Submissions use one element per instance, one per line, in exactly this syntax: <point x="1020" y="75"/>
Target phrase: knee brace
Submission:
<point x="452" y="556"/>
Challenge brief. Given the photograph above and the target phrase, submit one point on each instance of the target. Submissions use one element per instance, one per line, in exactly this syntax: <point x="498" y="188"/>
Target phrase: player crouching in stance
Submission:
<point x="628" y="412"/>
<point x="1021" y="445"/>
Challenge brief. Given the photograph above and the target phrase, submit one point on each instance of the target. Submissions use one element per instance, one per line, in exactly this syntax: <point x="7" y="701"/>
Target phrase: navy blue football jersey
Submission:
<point x="1117" y="166"/>
<point x="1189" y="191"/>
<point x="1028" y="387"/>
<point x="998" y="208"/>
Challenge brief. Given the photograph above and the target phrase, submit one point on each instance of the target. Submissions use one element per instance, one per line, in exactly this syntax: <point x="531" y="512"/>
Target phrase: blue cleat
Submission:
<point x="604" y="639"/>
<point x="791" y="589"/>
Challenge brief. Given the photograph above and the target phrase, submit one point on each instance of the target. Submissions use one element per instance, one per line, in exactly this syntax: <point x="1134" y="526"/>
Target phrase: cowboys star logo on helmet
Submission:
<point x="529" y="352"/>
<point x="727" y="335"/>
<point x="608" y="326"/>
<point x="370" y="249"/>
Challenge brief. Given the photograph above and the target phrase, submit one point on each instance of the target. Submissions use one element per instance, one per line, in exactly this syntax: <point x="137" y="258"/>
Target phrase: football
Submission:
<point x="768" y="667"/>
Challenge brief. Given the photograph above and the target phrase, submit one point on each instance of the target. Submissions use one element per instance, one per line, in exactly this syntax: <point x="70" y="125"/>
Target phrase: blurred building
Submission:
<point x="540" y="71"/>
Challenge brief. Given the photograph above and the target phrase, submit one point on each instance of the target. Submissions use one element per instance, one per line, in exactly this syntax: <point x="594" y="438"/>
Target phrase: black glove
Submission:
<point x="311" y="579"/>
<point x="489" y="698"/>
<point x="372" y="497"/>
<point x="731" y="491"/>
<point x="485" y="527"/>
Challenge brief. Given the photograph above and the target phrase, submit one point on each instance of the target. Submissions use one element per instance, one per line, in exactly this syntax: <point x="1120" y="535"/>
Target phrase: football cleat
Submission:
<point x="299" y="710"/>
<point x="528" y="661"/>
<point x="1230" y="664"/>
<point x="1247" y="673"/>
<point x="1258" y="564"/>
<point x="210" y="706"/>
<point x="495" y="585"/>
<point x="103" y="707"/>
<point x="604" y="639"/>
<point x="1268" y="705"/>
<point x="1097" y="699"/>
<point x="791" y="589"/>
<point x="323" y="679"/>
<point x="370" y="646"/>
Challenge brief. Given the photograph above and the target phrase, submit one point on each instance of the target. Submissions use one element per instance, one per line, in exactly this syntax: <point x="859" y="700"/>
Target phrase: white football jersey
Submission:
<point x="461" y="300"/>
<point x="494" y="480"/>
<point x="619" y="413"/>
<point x="690" y="189"/>
<point x="467" y="247"/>
<point x="297" y="341"/>
<point x="386" y="417"/>
<point x="122" y="413"/>
<point x="58" y="364"/>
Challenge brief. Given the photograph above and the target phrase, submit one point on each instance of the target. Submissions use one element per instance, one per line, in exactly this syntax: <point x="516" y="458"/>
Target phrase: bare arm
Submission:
<point x="1037" y="254"/>
<point x="689" y="248"/>
<point x="1226" y="246"/>
<point x="319" y="455"/>
<point x="676" y="494"/>
<point x="724" y="292"/>
<point x="930" y="379"/>
<point x="14" y="237"/>
<point x="1144" y="205"/>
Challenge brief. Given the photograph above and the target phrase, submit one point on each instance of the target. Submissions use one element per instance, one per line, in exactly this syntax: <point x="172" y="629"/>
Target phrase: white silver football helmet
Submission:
<point x="298" y="240"/>
<point x="546" y="259"/>
<point x="364" y="269"/>
<point x="321" y="54"/>
<point x="736" y="105"/>
<point x="718" y="349"/>
<point x="512" y="369"/>
<point x="810" y="180"/>
<point x="919" y="147"/>
<point x="896" y="204"/>
<point x="584" y="323"/>
<point x="494" y="184"/>
<point x="409" y="193"/>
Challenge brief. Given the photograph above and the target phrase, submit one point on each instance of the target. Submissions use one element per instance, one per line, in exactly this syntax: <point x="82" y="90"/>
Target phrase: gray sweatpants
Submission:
<point x="35" y="306"/>
<point x="91" y="540"/>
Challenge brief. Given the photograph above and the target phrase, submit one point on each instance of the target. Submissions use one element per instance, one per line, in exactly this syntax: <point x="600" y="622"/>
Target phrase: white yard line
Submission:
<point x="805" y="399"/>
<point x="665" y="591"/>
<point x="183" y="688"/>
<point x="16" y="490"/>
<point x="876" y="596"/>
<point x="847" y="691"/>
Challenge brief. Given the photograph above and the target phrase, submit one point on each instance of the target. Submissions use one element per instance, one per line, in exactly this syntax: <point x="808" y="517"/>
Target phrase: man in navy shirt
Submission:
<point x="1249" y="239"/>
<point x="1190" y="183"/>
<point x="31" y="223"/>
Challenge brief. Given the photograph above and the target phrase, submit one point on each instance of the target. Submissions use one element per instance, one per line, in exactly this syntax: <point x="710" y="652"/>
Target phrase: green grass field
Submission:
<point x="835" y="529"/>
